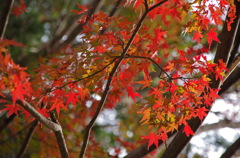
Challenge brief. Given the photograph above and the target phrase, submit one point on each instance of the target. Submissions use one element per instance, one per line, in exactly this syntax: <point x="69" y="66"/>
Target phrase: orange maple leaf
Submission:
<point x="58" y="104"/>
<point x="169" y="67"/>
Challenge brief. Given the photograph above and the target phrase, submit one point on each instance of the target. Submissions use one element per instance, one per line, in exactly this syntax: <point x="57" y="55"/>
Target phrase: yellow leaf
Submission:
<point x="146" y="116"/>
<point x="205" y="78"/>
<point x="2" y="49"/>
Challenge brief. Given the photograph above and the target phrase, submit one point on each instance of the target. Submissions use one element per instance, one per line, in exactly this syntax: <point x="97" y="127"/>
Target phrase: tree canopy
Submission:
<point x="114" y="78"/>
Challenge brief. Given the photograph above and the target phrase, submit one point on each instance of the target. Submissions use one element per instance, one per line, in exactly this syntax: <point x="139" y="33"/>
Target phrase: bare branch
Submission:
<point x="231" y="149"/>
<point x="231" y="69"/>
<point x="27" y="139"/>
<point x="27" y="106"/>
<point x="221" y="124"/>
<point x="228" y="38"/>
<point x="6" y="121"/>
<point x="56" y="43"/>
<point x="231" y="80"/>
<point x="7" y="7"/>
<point x="113" y="11"/>
<point x="60" y="138"/>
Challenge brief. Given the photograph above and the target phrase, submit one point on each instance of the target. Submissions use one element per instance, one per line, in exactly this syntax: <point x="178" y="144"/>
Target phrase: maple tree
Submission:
<point x="143" y="56"/>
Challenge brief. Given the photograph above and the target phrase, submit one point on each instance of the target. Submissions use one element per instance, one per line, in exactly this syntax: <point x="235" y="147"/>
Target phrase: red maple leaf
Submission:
<point x="159" y="34"/>
<point x="201" y="112"/>
<point x="82" y="92"/>
<point x="44" y="112"/>
<point x="83" y="9"/>
<point x="18" y="93"/>
<point x="26" y="114"/>
<point x="187" y="130"/>
<point x="58" y="104"/>
<point x="12" y="109"/>
<point x="197" y="36"/>
<point x="72" y="97"/>
<point x="131" y="93"/>
<point x="137" y="3"/>
<point x="214" y="94"/>
<point x="18" y="10"/>
<point x="153" y="138"/>
<point x="212" y="35"/>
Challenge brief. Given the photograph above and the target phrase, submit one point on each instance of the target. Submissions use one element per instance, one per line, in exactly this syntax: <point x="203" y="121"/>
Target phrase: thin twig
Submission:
<point x="80" y="79"/>
<point x="56" y="43"/>
<point x="153" y="61"/>
<point x="112" y="12"/>
<point x="5" y="16"/>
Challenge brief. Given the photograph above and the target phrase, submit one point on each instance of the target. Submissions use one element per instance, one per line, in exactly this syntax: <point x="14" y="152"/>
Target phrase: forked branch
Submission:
<point x="53" y="125"/>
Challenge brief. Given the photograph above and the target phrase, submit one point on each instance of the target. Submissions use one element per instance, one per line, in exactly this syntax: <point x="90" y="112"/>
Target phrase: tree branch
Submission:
<point x="7" y="7"/>
<point x="153" y="61"/>
<point x="27" y="139"/>
<point x="231" y="80"/>
<point x="221" y="124"/>
<point x="60" y="138"/>
<point x="231" y="149"/>
<point x="48" y="123"/>
<point x="54" y="126"/>
<point x="112" y="12"/>
<point x="56" y="43"/>
<point x="6" y="121"/>
<point x="15" y="134"/>
<point x="109" y="81"/>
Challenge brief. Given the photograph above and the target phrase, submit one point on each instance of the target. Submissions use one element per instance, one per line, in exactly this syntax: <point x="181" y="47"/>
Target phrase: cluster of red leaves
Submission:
<point x="78" y="76"/>
<point x="186" y="85"/>
<point x="19" y="9"/>
<point x="181" y="94"/>
<point x="13" y="78"/>
<point x="205" y="14"/>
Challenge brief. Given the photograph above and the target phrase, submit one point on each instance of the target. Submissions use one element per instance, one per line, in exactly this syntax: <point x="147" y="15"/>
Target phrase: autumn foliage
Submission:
<point x="118" y="58"/>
